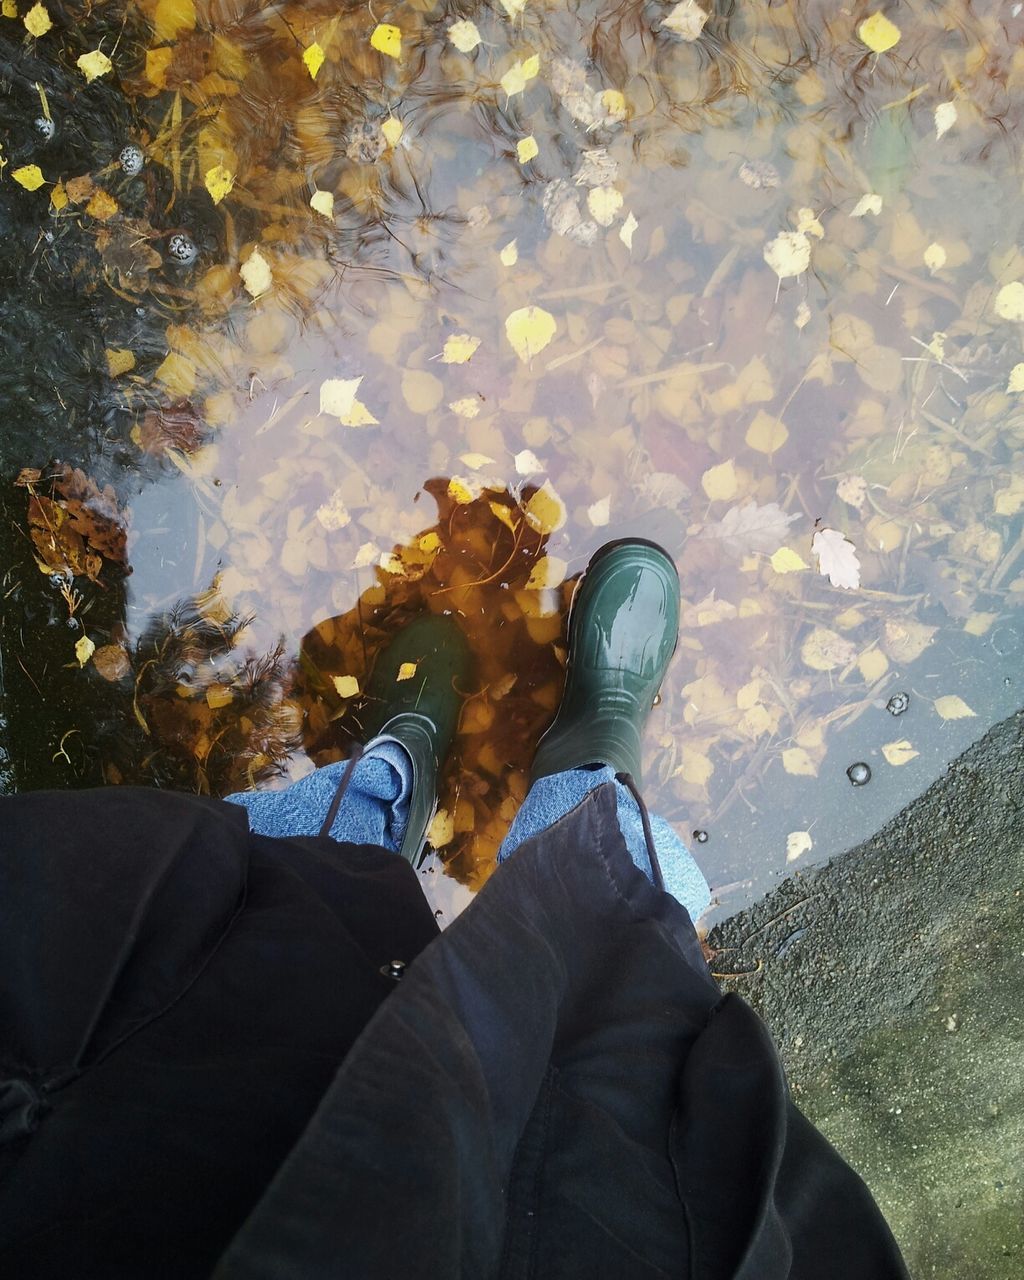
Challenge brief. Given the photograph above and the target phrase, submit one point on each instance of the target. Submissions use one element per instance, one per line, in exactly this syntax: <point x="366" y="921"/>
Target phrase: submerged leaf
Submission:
<point x="218" y="181"/>
<point x="1009" y="299"/>
<point x="464" y="35"/>
<point x="527" y="149"/>
<point x="686" y="20"/>
<point x="945" y="118"/>
<point x="878" y="33"/>
<point x="789" y="254"/>
<point x="256" y="274"/>
<point x="953" y="707"/>
<point x="901" y="752"/>
<point x="837" y="558"/>
<point x="322" y="202"/>
<point x="95" y="64"/>
<point x="749" y="527"/>
<point x="459" y="348"/>
<point x="313" y="57"/>
<point x="529" y="330"/>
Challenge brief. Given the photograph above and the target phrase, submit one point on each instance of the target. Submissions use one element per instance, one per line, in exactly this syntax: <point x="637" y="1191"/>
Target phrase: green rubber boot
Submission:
<point x="623" y="627"/>
<point x="419" y="712"/>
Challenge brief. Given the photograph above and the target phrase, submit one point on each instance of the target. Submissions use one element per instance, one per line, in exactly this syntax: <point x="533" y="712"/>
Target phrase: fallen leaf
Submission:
<point x="346" y="686"/>
<point x="464" y="35"/>
<point x="218" y="181"/>
<point x="111" y="661"/>
<point x="519" y="74"/>
<point x="766" y="433"/>
<point x="510" y="254"/>
<point x="796" y="760"/>
<point x="529" y="330"/>
<point x="219" y="695"/>
<point x="759" y="174"/>
<point x="953" y="707"/>
<point x="945" y="118"/>
<point x="686" y="20"/>
<point x="1016" y="380"/>
<point x="527" y="463"/>
<point x="837" y="558"/>
<point x="978" y="624"/>
<point x="807" y="222"/>
<point x="853" y="490"/>
<point x="102" y="206"/>
<point x="527" y="149"/>
<point x="467" y="407"/>
<point x="59" y="197"/>
<point x="37" y="21"/>
<point x="548" y="571"/>
<point x="614" y="103"/>
<point x="627" y="229"/>
<point x="797" y="844"/>
<point x="803" y="315"/>
<point x="789" y="254"/>
<point x="867" y="204"/>
<point x="30" y="176"/>
<point x="901" y="752"/>
<point x="873" y="665"/>
<point x="441" y="830"/>
<point x="387" y="39"/>
<point x="934" y="257"/>
<point x="878" y="33"/>
<point x="504" y="514"/>
<point x="337" y="395"/>
<point x="333" y="514"/>
<point x="421" y="390"/>
<point x="905" y="641"/>
<point x="313" y="57"/>
<point x="392" y="129"/>
<point x="545" y="511"/>
<point x="84" y="649"/>
<point x="751" y="527"/>
<point x="93" y="65"/>
<point x="825" y="650"/>
<point x="786" y="560"/>
<point x="463" y="491"/>
<point x="1009" y="299"/>
<point x="322" y="202"/>
<point x="458" y="348"/>
<point x="604" y="204"/>
<point x="406" y="671"/>
<point x="256" y="274"/>
<point x="476" y="460"/>
<point x="119" y="360"/>
<point x="719" y="482"/>
<point x="599" y="513"/>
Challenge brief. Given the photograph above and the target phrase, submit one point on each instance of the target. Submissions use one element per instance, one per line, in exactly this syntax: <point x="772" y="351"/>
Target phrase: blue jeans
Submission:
<point x="376" y="805"/>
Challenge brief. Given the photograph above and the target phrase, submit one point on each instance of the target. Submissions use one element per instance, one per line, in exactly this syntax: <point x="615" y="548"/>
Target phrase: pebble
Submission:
<point x="859" y="773"/>
<point x="898" y="703"/>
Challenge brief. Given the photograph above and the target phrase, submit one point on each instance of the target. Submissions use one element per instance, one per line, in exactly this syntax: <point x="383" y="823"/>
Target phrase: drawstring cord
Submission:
<point x="339" y="793"/>
<point x="627" y="781"/>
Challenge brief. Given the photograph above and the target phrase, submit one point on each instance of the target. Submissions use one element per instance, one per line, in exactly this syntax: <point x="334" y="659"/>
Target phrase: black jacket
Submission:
<point x="203" y="1068"/>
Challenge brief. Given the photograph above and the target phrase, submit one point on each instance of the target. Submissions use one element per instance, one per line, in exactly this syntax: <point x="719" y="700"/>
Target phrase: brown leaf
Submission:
<point x="126" y="252"/>
<point x="177" y="426"/>
<point x="112" y="662"/>
<point x="59" y="548"/>
<point x="94" y="514"/>
<point x="27" y="476"/>
<point x="79" y="189"/>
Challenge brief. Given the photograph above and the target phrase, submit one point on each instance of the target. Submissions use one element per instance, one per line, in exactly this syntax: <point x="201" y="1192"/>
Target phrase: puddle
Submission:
<point x="764" y="284"/>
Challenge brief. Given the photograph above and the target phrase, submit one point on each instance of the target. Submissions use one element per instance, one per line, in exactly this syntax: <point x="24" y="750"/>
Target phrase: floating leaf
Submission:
<point x="797" y="844"/>
<point x="545" y="511"/>
<point x="463" y="491"/>
<point x="219" y="695"/>
<point x="878" y="33"/>
<point x="95" y="64"/>
<point x="945" y="118"/>
<point x="547" y="572"/>
<point x="338" y="395"/>
<point x="837" y="558"/>
<point x="513" y="7"/>
<point x="867" y="204"/>
<point x="441" y="830"/>
<point x="37" y="21"/>
<point x="102" y="206"/>
<point x="322" y="202"/>
<point x="807" y="222"/>
<point x="789" y="254"/>
<point x="803" y="315"/>
<point x="627" y="229"/>
<point x="527" y="149"/>
<point x="392" y="129"/>
<point x="686" y="20"/>
<point x="406" y="671"/>
<point x="614" y="103"/>
<point x="901" y="752"/>
<point x="58" y="197"/>
<point x="519" y="74"/>
<point x="346" y="686"/>
<point x="1009" y="300"/>
<point x="952" y="707"/>
<point x="527" y="463"/>
<point x="84" y="649"/>
<point x="256" y="274"/>
<point x="599" y="513"/>
<point x="720" y="483"/>
<point x="218" y="181"/>
<point x="459" y="348"/>
<point x="786" y="560"/>
<point x="604" y="204"/>
<point x="313" y="57"/>
<point x="510" y="254"/>
<point x="529" y="330"/>
<point x="30" y="176"/>
<point x="464" y="35"/>
<point x="387" y="39"/>
<point x="476" y="460"/>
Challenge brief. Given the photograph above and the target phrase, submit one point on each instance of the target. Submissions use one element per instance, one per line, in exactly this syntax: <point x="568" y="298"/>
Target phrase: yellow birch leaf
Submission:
<point x="604" y="204"/>
<point x="519" y="74"/>
<point x="720" y="483"/>
<point x="878" y="33"/>
<point x="467" y="407"/>
<point x="458" y="348"/>
<point x="172" y="17"/>
<point x="95" y="64"/>
<point x="256" y="274"/>
<point x="548" y="571"/>
<point x="945" y="118"/>
<point x="59" y="198"/>
<point x="504" y="514"/>
<point x="789" y="254"/>
<point x="873" y="665"/>
<point x="429" y="543"/>
<point x="901" y="752"/>
<point x="599" y="513"/>
<point x="30" y="176"/>
<point x="178" y="374"/>
<point x="84" y="649"/>
<point x="870" y="203"/>
<point x="614" y="102"/>
<point x="392" y="129"/>
<point x="786" y="560"/>
<point x="358" y="416"/>
<point x="218" y="181"/>
<point x="441" y="830"/>
<point x="219" y="695"/>
<point x="952" y="707"/>
<point x="545" y="512"/>
<point x="337" y="395"/>
<point x="322" y="202"/>
<point x="313" y="57"/>
<point x="9" y="9"/>
<point x="795" y="760"/>
<point x="1009" y="300"/>
<point x="766" y="433"/>
<point x="696" y="768"/>
<point x="825" y="650"/>
<point x="387" y="39"/>
<point x="460" y="492"/>
<point x="464" y="35"/>
<point x="809" y="224"/>
<point x="406" y="671"/>
<point x="510" y="256"/>
<point x="476" y="460"/>
<point x="37" y="21"/>
<point x="797" y="844"/>
<point x="102" y="206"/>
<point x="346" y="686"/>
<point x="627" y="229"/>
<point x="527" y="149"/>
<point x="119" y="360"/>
<point x="1016" y="381"/>
<point x="934" y="257"/>
<point x="529" y="330"/>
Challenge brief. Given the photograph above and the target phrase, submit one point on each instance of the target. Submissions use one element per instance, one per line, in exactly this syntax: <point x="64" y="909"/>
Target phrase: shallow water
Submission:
<point x="688" y="392"/>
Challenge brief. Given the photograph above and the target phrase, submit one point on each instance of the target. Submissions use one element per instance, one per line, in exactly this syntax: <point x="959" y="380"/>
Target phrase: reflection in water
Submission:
<point x="770" y="285"/>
